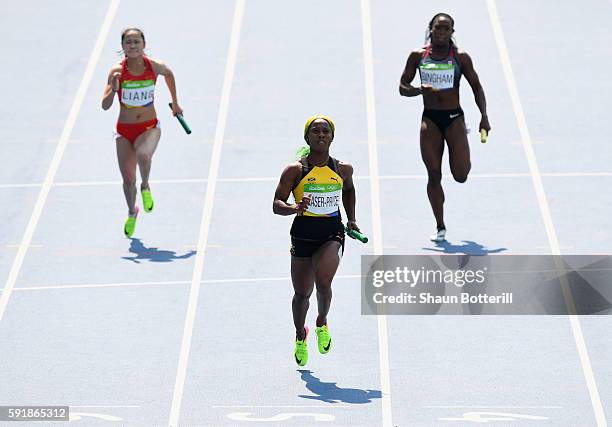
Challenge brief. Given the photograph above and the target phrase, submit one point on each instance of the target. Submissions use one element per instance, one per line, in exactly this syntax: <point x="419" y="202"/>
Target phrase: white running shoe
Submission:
<point x="440" y="236"/>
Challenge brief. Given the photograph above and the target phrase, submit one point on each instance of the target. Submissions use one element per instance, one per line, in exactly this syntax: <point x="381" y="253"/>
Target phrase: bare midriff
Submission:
<point x="136" y="114"/>
<point x="447" y="99"/>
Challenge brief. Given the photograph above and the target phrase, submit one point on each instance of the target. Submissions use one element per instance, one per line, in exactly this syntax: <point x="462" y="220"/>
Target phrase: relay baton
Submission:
<point x="355" y="234"/>
<point x="483" y="135"/>
<point x="182" y="121"/>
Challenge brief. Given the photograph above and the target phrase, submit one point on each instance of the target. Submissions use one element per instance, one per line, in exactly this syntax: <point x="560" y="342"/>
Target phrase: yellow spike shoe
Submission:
<point x="301" y="350"/>
<point x="147" y="200"/>
<point x="323" y="339"/>
<point x="130" y="224"/>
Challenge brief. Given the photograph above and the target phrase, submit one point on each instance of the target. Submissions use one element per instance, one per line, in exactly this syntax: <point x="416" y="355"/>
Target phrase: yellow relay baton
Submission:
<point x="483" y="135"/>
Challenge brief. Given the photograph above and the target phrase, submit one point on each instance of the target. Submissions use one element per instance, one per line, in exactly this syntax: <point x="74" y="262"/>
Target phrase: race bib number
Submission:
<point x="138" y="93"/>
<point x="439" y="76"/>
<point x="325" y="198"/>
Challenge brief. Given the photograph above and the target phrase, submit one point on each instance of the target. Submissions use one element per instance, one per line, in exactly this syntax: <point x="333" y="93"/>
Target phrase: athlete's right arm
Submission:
<point x="283" y="191"/>
<point x="405" y="87"/>
<point x="112" y="86"/>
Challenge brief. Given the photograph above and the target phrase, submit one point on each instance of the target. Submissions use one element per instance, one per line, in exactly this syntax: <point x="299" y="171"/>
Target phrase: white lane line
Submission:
<point x="81" y="406"/>
<point x="505" y="175"/>
<point x="57" y="157"/>
<point x="330" y="406"/>
<point x="356" y="177"/>
<point x="104" y="406"/>
<point x="20" y="185"/>
<point x="100" y="285"/>
<point x="544" y="208"/>
<point x="170" y="282"/>
<point x="577" y="174"/>
<point x="213" y="172"/>
<point x="153" y="181"/>
<point x="383" y="341"/>
<point x="491" y="407"/>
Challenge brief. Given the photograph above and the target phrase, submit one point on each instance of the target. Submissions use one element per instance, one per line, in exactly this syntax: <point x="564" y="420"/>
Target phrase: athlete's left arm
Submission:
<point x="467" y="67"/>
<point x="160" y="68"/>
<point x="348" y="194"/>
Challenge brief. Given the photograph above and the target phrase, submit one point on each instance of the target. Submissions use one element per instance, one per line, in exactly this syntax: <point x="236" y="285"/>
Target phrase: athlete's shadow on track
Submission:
<point x="331" y="393"/>
<point x="468" y="247"/>
<point x="153" y="254"/>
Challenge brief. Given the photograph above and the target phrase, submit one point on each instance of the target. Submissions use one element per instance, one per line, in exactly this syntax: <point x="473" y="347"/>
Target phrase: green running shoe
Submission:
<point x="323" y="339"/>
<point x="147" y="200"/>
<point x="130" y="224"/>
<point x="301" y="351"/>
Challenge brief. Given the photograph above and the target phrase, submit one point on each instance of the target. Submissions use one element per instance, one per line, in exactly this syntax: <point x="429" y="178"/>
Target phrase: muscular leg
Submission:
<point x="145" y="146"/>
<point x="458" y="150"/>
<point x="302" y="276"/>
<point x="325" y="260"/>
<point x="432" y="149"/>
<point x="126" y="156"/>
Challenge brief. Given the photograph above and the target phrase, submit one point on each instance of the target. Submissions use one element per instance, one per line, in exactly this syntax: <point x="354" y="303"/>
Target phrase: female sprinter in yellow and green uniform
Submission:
<point x="319" y="184"/>
<point x="138" y="131"/>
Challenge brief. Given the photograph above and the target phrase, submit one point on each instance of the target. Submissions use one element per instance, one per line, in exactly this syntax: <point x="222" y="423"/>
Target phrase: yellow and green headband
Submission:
<point x="312" y="119"/>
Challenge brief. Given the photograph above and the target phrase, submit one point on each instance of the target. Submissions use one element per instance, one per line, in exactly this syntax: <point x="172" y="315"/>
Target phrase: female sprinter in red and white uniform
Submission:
<point x="138" y="131"/>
